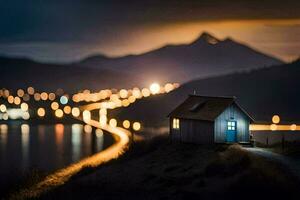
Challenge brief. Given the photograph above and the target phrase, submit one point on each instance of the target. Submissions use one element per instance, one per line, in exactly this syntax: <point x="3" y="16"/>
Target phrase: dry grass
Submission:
<point x="159" y="169"/>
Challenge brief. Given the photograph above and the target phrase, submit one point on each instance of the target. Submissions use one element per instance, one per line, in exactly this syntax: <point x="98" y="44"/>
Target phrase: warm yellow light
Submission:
<point x="103" y="111"/>
<point x="175" y="123"/>
<point x="103" y="120"/>
<point x="273" y="127"/>
<point x="26" y="115"/>
<point x="17" y="100"/>
<point x="10" y="99"/>
<point x="41" y="112"/>
<point x="44" y="96"/>
<point x="125" y="102"/>
<point x="169" y="87"/>
<point x="30" y="90"/>
<point x="275" y="119"/>
<point x="2" y="108"/>
<point x="54" y="105"/>
<point x="75" y="112"/>
<point x="126" y="123"/>
<point x="67" y="109"/>
<point x="136" y="126"/>
<point x="76" y="98"/>
<point x="131" y="99"/>
<point x="99" y="132"/>
<point x="113" y="122"/>
<point x="146" y="92"/>
<point x="87" y="128"/>
<point x="24" y="106"/>
<point x="5" y="116"/>
<point x="123" y="93"/>
<point x="136" y="93"/>
<point x="154" y="88"/>
<point x="59" y="113"/>
<point x="20" y="92"/>
<point x="51" y="96"/>
<point x="293" y="127"/>
<point x="86" y="116"/>
<point x="37" y="96"/>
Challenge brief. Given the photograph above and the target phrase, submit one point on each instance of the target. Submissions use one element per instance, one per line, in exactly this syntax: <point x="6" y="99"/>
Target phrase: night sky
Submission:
<point x="63" y="31"/>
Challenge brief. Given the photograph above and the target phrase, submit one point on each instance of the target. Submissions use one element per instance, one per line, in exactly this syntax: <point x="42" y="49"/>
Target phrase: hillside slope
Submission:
<point x="20" y="73"/>
<point x="262" y="93"/>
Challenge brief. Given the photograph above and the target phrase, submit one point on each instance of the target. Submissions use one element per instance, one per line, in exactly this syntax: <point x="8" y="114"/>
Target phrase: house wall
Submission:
<point x="220" y="125"/>
<point x="194" y="131"/>
<point x="174" y="133"/>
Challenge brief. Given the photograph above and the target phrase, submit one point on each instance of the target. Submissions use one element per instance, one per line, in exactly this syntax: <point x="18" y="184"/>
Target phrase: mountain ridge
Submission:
<point x="205" y="56"/>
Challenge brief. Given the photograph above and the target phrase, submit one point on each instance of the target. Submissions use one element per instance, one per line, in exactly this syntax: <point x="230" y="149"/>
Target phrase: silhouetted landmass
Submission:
<point x="160" y="169"/>
<point x="21" y="73"/>
<point x="206" y="56"/>
<point x="263" y="93"/>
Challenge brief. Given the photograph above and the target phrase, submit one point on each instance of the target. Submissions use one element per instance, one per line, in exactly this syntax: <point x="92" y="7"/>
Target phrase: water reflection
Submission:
<point x="99" y="138"/>
<point x="41" y="133"/>
<point x="76" y="141"/>
<point x="25" y="129"/>
<point x="24" y="147"/>
<point x="3" y="136"/>
<point x="59" y="136"/>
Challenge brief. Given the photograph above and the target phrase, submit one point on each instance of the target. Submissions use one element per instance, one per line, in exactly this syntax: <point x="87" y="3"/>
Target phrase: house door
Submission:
<point x="231" y="131"/>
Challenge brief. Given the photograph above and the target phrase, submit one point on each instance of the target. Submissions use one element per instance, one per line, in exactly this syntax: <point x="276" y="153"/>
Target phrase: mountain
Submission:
<point x="206" y="56"/>
<point x="21" y="73"/>
<point x="262" y="92"/>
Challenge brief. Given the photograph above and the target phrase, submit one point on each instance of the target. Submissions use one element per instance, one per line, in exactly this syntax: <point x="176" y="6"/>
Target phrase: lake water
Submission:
<point x="24" y="148"/>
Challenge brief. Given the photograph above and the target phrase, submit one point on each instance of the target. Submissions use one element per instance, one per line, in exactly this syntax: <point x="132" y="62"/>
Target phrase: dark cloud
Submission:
<point x="86" y="20"/>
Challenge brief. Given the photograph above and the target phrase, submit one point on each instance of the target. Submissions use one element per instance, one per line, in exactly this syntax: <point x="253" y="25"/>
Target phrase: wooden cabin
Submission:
<point x="207" y="120"/>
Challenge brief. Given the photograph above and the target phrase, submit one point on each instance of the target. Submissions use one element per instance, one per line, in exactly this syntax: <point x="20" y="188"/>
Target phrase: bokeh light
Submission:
<point x="154" y="88"/>
<point x="87" y="128"/>
<point x="126" y="124"/>
<point x="86" y="116"/>
<point x="41" y="112"/>
<point x="113" y="122"/>
<point x="2" y="108"/>
<point x="30" y="90"/>
<point x="59" y="113"/>
<point x="275" y="119"/>
<point x="24" y="106"/>
<point x="54" y="105"/>
<point x="20" y="92"/>
<point x="273" y="127"/>
<point x="67" y="109"/>
<point x="136" y="126"/>
<point x="75" y="112"/>
<point x="63" y="100"/>
<point x="293" y="127"/>
<point x="99" y="132"/>
<point x="44" y="96"/>
<point x="17" y="100"/>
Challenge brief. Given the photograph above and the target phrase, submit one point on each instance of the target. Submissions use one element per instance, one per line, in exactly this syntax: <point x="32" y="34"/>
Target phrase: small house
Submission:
<point x="206" y="120"/>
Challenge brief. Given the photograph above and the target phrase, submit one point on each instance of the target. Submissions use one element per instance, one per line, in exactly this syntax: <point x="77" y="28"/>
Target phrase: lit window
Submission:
<point x="175" y="123"/>
<point x="231" y="125"/>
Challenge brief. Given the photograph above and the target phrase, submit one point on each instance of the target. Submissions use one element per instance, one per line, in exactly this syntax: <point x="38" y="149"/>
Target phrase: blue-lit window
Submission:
<point x="231" y="125"/>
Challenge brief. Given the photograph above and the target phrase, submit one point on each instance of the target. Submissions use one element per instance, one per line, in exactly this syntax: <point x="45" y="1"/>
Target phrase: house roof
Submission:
<point x="204" y="107"/>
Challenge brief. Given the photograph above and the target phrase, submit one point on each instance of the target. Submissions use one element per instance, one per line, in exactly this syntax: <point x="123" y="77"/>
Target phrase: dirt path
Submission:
<point x="292" y="164"/>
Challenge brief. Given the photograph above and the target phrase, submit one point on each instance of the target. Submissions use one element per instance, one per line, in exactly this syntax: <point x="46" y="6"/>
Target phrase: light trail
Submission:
<point x="274" y="127"/>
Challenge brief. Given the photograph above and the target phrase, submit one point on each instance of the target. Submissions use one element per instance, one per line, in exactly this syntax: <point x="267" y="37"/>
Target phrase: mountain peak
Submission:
<point x="208" y="38"/>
